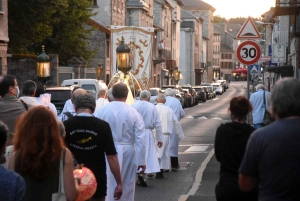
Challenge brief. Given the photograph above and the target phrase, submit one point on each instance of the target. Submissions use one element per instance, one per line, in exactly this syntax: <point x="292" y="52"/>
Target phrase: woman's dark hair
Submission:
<point x="3" y="134"/>
<point x="37" y="143"/>
<point x="39" y="89"/>
<point x="239" y="107"/>
<point x="6" y="81"/>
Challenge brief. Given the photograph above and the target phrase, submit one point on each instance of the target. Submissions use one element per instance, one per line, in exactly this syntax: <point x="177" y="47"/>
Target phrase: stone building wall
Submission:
<point x="3" y="36"/>
<point x="24" y="68"/>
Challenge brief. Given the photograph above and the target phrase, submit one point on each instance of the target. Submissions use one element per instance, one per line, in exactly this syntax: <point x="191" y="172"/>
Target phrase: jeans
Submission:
<point x="256" y="126"/>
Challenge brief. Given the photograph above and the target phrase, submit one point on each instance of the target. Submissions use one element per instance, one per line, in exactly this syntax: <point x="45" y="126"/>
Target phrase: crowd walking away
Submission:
<point x="101" y="149"/>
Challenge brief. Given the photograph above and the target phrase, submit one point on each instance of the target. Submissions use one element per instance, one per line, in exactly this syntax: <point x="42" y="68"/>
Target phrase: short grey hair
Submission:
<point x="284" y="98"/>
<point x="145" y="94"/>
<point x="161" y="97"/>
<point x="29" y="88"/>
<point x="169" y="92"/>
<point x="260" y="86"/>
<point x="85" y="101"/>
<point x="110" y="95"/>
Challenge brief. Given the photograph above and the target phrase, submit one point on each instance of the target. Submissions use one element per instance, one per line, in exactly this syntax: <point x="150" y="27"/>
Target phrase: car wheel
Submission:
<point x="204" y="100"/>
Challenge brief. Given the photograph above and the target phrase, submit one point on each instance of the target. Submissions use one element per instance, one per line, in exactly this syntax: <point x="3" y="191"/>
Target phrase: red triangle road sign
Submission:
<point x="248" y="30"/>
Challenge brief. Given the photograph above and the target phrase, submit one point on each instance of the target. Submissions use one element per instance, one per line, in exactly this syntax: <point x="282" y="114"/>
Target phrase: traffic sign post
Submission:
<point x="248" y="52"/>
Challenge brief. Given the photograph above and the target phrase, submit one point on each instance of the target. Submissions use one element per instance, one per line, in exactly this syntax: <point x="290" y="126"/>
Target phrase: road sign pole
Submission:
<point x="248" y="88"/>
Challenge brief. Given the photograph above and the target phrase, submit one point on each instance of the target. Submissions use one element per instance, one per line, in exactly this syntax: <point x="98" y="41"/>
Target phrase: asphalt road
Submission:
<point x="198" y="172"/>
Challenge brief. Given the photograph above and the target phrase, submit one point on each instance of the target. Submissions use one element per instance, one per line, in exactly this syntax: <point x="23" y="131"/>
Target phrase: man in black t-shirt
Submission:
<point x="89" y="139"/>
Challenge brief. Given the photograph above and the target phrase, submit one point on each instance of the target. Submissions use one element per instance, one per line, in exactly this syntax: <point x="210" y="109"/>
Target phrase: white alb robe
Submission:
<point x="176" y="106"/>
<point x="169" y="123"/>
<point x="100" y="102"/>
<point x="128" y="132"/>
<point x="151" y="120"/>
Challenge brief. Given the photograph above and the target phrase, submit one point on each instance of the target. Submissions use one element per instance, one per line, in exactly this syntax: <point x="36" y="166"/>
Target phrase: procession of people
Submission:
<point x="121" y="144"/>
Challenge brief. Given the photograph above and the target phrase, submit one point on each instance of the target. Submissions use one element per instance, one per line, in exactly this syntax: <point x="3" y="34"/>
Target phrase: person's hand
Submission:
<point x="160" y="144"/>
<point x="118" y="192"/>
<point x="143" y="167"/>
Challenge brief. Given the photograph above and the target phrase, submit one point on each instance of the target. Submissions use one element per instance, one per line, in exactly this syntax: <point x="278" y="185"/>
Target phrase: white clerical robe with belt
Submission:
<point x="175" y="105"/>
<point x="169" y="123"/>
<point x="151" y="120"/>
<point x="128" y="132"/>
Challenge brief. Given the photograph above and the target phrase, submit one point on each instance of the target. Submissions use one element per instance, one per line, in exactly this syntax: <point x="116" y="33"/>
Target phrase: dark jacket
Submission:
<point x="230" y="145"/>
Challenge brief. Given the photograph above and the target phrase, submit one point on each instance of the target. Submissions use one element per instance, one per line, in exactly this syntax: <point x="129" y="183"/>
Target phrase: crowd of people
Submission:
<point x="121" y="144"/>
<point x="261" y="162"/>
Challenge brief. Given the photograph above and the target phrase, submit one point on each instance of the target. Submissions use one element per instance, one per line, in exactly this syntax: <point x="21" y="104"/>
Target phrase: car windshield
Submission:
<point x="154" y="92"/>
<point x="59" y="95"/>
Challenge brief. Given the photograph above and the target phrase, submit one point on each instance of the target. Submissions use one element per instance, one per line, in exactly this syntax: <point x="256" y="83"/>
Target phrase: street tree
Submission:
<point x="60" y="25"/>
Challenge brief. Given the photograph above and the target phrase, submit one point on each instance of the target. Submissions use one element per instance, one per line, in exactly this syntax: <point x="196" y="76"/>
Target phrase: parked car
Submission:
<point x="154" y="92"/>
<point x="191" y="93"/>
<point x="209" y="95"/>
<point x="59" y="96"/>
<point x="218" y="87"/>
<point x="201" y="95"/>
<point x="177" y="87"/>
<point x="211" y="89"/>
<point x="224" y="84"/>
<point x="179" y="97"/>
<point x="92" y="85"/>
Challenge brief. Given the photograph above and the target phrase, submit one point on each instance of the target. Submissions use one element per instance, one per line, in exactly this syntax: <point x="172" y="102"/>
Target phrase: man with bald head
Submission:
<point x="102" y="100"/>
<point x="151" y="120"/>
<point x="66" y="115"/>
<point x="169" y="124"/>
<point x="128" y="131"/>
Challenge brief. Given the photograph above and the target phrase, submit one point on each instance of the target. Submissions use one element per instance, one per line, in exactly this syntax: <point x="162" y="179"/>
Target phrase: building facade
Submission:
<point x="3" y="36"/>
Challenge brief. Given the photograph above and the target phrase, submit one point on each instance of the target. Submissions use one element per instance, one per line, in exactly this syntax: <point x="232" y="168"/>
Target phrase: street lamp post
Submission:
<point x="99" y="71"/>
<point x="123" y="57"/>
<point x="43" y="67"/>
<point x="176" y="75"/>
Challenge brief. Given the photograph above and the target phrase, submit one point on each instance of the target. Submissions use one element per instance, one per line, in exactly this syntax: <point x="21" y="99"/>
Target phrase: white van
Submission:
<point x="92" y="85"/>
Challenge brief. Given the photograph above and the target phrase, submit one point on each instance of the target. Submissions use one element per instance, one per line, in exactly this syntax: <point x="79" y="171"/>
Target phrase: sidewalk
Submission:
<point x="206" y="191"/>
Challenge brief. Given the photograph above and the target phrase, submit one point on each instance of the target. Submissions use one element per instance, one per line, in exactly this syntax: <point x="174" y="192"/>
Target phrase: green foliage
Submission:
<point x="60" y="25"/>
<point x="219" y="19"/>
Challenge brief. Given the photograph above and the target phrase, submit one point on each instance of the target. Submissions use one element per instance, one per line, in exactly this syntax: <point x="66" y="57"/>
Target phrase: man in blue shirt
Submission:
<point x="257" y="102"/>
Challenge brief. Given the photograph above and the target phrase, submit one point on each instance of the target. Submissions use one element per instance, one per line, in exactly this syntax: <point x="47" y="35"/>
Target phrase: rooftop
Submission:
<point x="197" y="5"/>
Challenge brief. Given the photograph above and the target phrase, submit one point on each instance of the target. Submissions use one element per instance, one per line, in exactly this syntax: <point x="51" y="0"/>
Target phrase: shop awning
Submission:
<point x="240" y="70"/>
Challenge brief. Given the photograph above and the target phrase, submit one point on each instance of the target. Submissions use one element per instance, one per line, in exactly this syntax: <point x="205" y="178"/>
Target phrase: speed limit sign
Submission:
<point x="248" y="52"/>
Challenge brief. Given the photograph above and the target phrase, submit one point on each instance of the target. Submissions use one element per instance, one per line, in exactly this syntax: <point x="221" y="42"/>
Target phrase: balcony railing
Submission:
<point x="287" y="7"/>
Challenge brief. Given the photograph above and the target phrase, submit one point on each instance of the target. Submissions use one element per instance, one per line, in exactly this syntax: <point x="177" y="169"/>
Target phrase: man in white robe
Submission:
<point x="102" y="100"/>
<point x="151" y="119"/>
<point x="176" y="106"/>
<point x="169" y="124"/>
<point x="130" y="141"/>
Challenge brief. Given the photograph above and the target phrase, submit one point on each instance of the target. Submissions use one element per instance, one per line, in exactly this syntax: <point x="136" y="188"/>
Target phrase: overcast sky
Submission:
<point x="241" y="8"/>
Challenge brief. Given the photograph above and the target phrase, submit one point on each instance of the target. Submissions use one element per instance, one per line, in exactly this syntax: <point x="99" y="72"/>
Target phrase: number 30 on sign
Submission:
<point x="248" y="52"/>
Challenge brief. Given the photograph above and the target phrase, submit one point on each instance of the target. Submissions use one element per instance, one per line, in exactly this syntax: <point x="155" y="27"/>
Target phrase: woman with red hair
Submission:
<point x="38" y="148"/>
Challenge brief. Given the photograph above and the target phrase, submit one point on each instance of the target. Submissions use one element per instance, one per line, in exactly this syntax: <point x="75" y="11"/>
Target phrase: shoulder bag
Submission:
<point x="60" y="195"/>
<point x="267" y="116"/>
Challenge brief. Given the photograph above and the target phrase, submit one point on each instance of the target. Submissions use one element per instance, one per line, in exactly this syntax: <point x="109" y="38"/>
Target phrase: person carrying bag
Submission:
<point x="267" y="116"/>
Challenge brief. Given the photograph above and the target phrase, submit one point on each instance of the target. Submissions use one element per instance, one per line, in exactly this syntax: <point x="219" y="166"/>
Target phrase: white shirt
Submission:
<point x="168" y="119"/>
<point x="150" y="116"/>
<point x="50" y="105"/>
<point x="68" y="107"/>
<point x="100" y="102"/>
<point x="176" y="106"/>
<point x="127" y="127"/>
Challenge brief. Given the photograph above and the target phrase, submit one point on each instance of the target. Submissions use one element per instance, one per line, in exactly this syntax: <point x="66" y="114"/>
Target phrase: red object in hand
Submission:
<point x="88" y="183"/>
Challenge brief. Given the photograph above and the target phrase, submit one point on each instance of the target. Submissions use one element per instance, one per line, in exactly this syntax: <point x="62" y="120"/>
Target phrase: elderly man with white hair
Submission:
<point x="176" y="106"/>
<point x="169" y="124"/>
<point x="151" y="119"/>
<point x="257" y="102"/>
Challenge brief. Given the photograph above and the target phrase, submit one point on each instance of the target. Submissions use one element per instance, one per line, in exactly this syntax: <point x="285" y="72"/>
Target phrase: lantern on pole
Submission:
<point x="43" y="67"/>
<point x="123" y="57"/>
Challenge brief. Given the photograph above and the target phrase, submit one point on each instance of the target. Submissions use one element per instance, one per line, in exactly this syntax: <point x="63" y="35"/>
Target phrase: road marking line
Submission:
<point x="198" y="178"/>
<point x="196" y="149"/>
